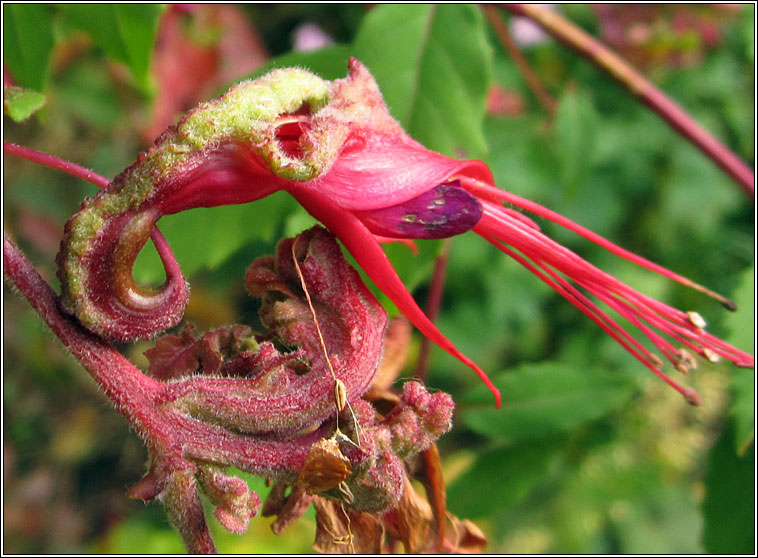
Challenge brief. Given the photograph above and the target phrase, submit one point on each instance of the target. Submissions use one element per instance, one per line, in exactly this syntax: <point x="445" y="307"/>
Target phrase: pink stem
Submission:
<point x="54" y="162"/>
<point x="597" y="53"/>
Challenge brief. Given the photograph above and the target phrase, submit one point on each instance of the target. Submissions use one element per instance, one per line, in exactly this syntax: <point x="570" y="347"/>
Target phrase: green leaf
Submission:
<point x="433" y="65"/>
<point x="665" y="521"/>
<point x="28" y="42"/>
<point x="205" y="238"/>
<point x="545" y="398"/>
<point x="20" y="103"/>
<point x="501" y="478"/>
<point x="742" y="325"/>
<point x="747" y="28"/>
<point x="574" y="136"/>
<point x="126" y="32"/>
<point x="728" y="508"/>
<point x="89" y="94"/>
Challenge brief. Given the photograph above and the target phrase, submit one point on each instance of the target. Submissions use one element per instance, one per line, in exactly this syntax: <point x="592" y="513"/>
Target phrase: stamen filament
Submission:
<point x="494" y="194"/>
<point x="556" y="266"/>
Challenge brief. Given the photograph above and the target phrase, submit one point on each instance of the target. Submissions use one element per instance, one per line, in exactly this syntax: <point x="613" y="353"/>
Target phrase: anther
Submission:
<point x="691" y="396"/>
<point x="697" y="320"/>
<point x="710" y="355"/>
<point x="686" y="362"/>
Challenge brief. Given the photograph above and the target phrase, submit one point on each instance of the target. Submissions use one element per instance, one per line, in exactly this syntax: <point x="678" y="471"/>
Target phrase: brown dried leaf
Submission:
<point x="275" y="500"/>
<point x="413" y="520"/>
<point x="434" y="483"/>
<point x="469" y="538"/>
<point x="325" y="467"/>
<point x="339" y="531"/>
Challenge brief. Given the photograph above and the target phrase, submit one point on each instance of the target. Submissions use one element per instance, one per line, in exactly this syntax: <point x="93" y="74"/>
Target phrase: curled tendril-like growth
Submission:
<point x="289" y="130"/>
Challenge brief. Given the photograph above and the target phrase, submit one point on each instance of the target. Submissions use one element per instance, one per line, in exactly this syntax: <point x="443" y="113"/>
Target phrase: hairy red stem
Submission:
<point x="130" y="390"/>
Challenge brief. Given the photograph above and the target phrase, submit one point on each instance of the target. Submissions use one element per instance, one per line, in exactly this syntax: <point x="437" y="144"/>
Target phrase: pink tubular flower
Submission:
<point x="335" y="148"/>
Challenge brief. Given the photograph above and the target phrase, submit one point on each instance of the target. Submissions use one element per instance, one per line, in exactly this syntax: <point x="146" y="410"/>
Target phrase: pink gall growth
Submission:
<point x="335" y="148"/>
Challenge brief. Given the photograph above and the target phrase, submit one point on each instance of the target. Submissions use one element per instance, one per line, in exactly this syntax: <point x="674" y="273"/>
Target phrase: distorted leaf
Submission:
<point x="20" y="103"/>
<point x="126" y="32"/>
<point x="174" y="356"/>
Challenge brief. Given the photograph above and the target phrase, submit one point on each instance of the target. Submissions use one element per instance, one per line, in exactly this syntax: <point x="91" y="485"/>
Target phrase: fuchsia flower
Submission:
<point x="335" y="148"/>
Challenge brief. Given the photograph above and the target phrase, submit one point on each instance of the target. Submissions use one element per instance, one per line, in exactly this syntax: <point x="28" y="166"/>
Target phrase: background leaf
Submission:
<point x="728" y="511"/>
<point x="574" y="136"/>
<point x="204" y="238"/>
<point x="433" y="65"/>
<point x="545" y="398"/>
<point x="126" y="32"/>
<point x="28" y="43"/>
<point x="501" y="478"/>
<point x="329" y="62"/>
<point x="742" y="326"/>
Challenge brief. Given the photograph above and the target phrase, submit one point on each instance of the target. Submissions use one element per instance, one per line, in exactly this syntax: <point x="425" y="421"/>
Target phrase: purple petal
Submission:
<point x="446" y="210"/>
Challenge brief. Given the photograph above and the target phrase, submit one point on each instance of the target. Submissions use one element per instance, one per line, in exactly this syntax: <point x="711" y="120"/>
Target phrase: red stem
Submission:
<point x="597" y="53"/>
<point x="54" y="162"/>
<point x="129" y="389"/>
<point x="531" y="79"/>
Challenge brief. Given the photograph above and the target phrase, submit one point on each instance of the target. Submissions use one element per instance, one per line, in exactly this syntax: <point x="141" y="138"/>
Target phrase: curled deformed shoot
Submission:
<point x="232" y="398"/>
<point x="335" y="148"/>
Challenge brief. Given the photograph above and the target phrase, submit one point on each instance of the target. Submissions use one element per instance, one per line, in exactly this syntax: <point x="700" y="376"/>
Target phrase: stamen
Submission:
<point x="710" y="355"/>
<point x="496" y="195"/>
<point x="686" y="362"/>
<point x="550" y="262"/>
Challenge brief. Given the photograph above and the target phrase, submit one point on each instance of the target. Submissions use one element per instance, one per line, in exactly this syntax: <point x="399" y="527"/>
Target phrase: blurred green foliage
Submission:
<point x="590" y="453"/>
